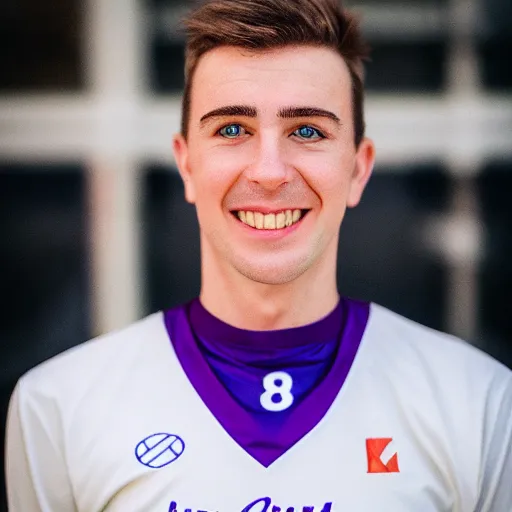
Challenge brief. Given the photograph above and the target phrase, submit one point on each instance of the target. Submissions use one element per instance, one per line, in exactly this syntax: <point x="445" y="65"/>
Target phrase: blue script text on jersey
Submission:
<point x="261" y="505"/>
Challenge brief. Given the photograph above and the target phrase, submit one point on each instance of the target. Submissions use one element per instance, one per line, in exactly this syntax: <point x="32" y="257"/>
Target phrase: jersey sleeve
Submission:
<point x="36" y="476"/>
<point x="496" y="474"/>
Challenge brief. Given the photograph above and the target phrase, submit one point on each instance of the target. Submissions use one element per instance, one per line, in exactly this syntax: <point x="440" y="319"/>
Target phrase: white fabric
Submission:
<point x="76" y="420"/>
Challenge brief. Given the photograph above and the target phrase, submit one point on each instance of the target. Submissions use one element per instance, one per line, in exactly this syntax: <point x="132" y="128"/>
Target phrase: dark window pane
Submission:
<point x="40" y="45"/>
<point x="171" y="241"/>
<point x="495" y="65"/>
<point x="406" y="66"/>
<point x="167" y="65"/>
<point x="495" y="280"/>
<point x="495" y="44"/>
<point x="43" y="257"/>
<point x="167" y="45"/>
<point x="383" y="255"/>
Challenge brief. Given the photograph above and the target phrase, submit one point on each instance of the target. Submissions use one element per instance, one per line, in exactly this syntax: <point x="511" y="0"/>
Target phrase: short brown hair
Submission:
<point x="270" y="24"/>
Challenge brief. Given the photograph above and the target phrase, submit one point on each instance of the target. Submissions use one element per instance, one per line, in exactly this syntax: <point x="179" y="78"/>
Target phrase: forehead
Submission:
<point x="270" y="80"/>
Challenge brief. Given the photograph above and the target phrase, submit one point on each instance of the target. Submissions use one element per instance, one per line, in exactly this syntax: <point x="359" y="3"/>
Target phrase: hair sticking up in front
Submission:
<point x="260" y="25"/>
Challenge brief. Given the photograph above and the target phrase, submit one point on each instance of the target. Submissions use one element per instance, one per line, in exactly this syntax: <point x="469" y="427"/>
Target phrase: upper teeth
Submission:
<point x="271" y="220"/>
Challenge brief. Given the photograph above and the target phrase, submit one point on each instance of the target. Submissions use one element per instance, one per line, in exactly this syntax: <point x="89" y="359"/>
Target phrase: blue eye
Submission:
<point x="231" y="131"/>
<point x="307" y="132"/>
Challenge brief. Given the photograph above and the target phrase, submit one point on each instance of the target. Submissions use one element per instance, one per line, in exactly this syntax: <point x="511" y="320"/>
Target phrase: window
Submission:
<point x="41" y="46"/>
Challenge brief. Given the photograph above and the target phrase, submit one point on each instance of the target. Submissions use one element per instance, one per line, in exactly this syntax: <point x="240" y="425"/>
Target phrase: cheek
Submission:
<point x="214" y="172"/>
<point x="328" y="176"/>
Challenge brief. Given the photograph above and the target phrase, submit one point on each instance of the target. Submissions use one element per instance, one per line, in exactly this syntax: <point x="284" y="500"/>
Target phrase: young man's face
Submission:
<point x="271" y="145"/>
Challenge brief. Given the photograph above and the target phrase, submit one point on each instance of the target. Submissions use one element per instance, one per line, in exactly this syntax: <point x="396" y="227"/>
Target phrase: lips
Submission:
<point x="277" y="220"/>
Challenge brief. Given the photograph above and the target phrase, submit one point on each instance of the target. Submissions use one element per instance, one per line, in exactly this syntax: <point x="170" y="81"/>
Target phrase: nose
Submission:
<point x="269" y="169"/>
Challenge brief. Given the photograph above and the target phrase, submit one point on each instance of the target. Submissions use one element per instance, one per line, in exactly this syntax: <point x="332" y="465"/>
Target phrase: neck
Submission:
<point x="246" y="304"/>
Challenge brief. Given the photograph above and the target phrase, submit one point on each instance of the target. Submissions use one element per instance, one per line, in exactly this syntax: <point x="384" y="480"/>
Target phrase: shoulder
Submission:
<point x="434" y="367"/>
<point x="74" y="371"/>
<point x="395" y="335"/>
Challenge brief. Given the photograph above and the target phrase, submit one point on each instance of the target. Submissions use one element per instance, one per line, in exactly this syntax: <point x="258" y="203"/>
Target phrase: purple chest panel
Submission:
<point x="267" y="389"/>
<point x="243" y="360"/>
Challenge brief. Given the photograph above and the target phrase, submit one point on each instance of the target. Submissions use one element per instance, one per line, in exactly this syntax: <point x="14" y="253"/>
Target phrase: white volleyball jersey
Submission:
<point x="423" y="422"/>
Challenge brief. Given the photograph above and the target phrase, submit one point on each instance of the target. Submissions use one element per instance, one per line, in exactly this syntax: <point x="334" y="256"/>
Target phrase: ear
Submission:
<point x="365" y="158"/>
<point x="181" y="155"/>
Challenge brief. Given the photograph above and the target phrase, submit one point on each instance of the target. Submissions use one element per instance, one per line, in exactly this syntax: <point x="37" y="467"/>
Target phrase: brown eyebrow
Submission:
<point x="231" y="110"/>
<point x="291" y="112"/>
<point x="284" y="113"/>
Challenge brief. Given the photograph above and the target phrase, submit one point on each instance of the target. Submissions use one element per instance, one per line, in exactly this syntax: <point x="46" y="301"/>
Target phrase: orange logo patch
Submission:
<point x="374" y="449"/>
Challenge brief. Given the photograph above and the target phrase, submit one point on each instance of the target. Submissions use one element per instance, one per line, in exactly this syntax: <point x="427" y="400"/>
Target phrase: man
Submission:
<point x="269" y="392"/>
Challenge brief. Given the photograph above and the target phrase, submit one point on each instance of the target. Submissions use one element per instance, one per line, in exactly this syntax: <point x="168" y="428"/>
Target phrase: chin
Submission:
<point x="272" y="273"/>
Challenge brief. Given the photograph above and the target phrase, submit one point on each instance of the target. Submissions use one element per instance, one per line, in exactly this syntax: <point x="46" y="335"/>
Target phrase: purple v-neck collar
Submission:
<point x="235" y="420"/>
<point x="207" y="326"/>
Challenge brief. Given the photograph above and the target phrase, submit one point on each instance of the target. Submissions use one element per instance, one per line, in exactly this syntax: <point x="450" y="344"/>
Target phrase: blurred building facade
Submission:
<point x="94" y="228"/>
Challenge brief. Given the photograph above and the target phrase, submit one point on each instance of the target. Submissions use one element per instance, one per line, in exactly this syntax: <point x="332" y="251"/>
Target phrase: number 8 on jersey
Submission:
<point x="277" y="396"/>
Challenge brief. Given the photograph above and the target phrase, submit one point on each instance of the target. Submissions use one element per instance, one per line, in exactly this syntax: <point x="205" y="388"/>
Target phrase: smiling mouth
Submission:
<point x="280" y="220"/>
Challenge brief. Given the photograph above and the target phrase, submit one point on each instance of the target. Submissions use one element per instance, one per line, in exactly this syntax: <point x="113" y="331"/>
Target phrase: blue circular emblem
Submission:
<point x="158" y="450"/>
